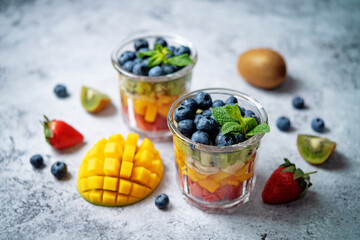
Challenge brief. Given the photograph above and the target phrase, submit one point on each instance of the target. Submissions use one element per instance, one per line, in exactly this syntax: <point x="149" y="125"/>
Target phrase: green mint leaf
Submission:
<point x="250" y="124"/>
<point x="155" y="60"/>
<point x="166" y="51"/>
<point x="231" y="127"/>
<point x="221" y="116"/>
<point x="259" y="129"/>
<point x="158" y="48"/>
<point x="180" y="61"/>
<point x="298" y="173"/>
<point x="147" y="53"/>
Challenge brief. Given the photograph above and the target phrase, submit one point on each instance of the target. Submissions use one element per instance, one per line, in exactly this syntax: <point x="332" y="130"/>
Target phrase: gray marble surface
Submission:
<point x="43" y="43"/>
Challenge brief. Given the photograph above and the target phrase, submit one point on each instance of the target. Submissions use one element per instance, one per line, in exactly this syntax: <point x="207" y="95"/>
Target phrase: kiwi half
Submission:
<point x="314" y="149"/>
<point x="93" y="101"/>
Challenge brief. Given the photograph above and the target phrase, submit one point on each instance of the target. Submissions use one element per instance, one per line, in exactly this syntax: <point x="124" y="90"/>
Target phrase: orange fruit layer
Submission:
<point x="117" y="172"/>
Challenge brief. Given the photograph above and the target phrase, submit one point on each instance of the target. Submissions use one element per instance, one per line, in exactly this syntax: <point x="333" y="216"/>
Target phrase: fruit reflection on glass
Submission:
<point x="217" y="134"/>
<point x="154" y="70"/>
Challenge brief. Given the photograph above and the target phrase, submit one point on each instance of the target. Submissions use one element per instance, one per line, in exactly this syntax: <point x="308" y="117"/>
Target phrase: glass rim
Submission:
<point x="218" y="149"/>
<point x="153" y="34"/>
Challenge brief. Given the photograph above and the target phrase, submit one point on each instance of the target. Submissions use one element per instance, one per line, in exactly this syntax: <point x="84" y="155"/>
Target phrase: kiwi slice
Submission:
<point x="94" y="101"/>
<point x="314" y="149"/>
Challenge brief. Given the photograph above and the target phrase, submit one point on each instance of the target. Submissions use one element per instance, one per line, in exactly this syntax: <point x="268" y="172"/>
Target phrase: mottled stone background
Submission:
<point x="43" y="43"/>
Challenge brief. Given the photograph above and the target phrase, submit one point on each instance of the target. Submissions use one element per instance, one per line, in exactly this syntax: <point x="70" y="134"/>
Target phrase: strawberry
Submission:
<point x="286" y="184"/>
<point x="61" y="135"/>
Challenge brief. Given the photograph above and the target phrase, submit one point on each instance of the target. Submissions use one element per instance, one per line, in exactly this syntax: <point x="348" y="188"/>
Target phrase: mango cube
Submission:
<point x="140" y="107"/>
<point x="126" y="169"/>
<point x="95" y="167"/>
<point x="132" y="139"/>
<point x="129" y="153"/>
<point x="83" y="185"/>
<point x="121" y="199"/>
<point x="137" y="190"/>
<point x="157" y="167"/>
<point x="97" y="150"/>
<point x="112" y="167"/>
<point x="113" y="150"/>
<point x="96" y="196"/>
<point x="146" y="145"/>
<point x="150" y="113"/>
<point x="118" y="138"/>
<point x="110" y="183"/>
<point x="144" y="159"/>
<point x="95" y="182"/>
<point x="124" y="186"/>
<point x="140" y="175"/>
<point x="109" y="198"/>
<point x="153" y="181"/>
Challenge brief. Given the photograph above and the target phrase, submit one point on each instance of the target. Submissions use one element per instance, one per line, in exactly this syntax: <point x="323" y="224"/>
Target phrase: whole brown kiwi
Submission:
<point x="262" y="68"/>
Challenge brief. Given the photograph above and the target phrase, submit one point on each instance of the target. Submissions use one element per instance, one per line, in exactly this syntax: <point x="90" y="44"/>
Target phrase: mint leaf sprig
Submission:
<point x="229" y="117"/>
<point x="159" y="56"/>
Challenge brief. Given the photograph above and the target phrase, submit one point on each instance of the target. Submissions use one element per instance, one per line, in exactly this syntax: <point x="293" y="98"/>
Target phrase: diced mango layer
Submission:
<point x="117" y="172"/>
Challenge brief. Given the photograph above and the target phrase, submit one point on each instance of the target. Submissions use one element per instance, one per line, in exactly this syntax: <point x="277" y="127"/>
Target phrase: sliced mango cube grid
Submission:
<point x="117" y="172"/>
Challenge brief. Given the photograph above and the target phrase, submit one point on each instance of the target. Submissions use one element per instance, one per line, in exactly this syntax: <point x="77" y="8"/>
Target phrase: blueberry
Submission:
<point x="283" y="123"/>
<point x="225" y="140"/>
<point x="37" y="161"/>
<point x="138" y="60"/>
<point x="191" y="103"/>
<point x="206" y="124"/>
<point x="207" y="113"/>
<point x="231" y="100"/>
<point x="126" y="56"/>
<point x="218" y="103"/>
<point x="160" y="41"/>
<point x="318" y="124"/>
<point x="144" y="49"/>
<point x="155" y="71"/>
<point x="60" y="91"/>
<point x="182" y="50"/>
<point x="203" y="100"/>
<point x="167" y="68"/>
<point x="128" y="66"/>
<point x="162" y="201"/>
<point x="172" y="49"/>
<point x="197" y="118"/>
<point x="240" y="138"/>
<point x="242" y="111"/>
<point x="59" y="169"/>
<point x="186" y="127"/>
<point x="298" y="102"/>
<point x="201" y="137"/>
<point x="183" y="112"/>
<point x="249" y="113"/>
<point x="140" y="43"/>
<point x="145" y="62"/>
<point x="140" y="69"/>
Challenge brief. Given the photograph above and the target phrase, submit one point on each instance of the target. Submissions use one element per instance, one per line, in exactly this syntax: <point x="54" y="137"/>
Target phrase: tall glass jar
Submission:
<point x="214" y="178"/>
<point x="145" y="100"/>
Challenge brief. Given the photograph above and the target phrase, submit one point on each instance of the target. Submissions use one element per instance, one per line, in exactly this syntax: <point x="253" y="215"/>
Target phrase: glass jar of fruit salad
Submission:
<point x="215" y="172"/>
<point x="149" y="84"/>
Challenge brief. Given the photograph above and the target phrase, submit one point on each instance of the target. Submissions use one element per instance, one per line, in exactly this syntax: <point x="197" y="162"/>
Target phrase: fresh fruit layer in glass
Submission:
<point x="216" y="134"/>
<point x="154" y="70"/>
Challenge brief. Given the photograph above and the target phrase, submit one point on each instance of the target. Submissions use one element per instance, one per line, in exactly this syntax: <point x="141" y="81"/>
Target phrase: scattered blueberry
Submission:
<point x="201" y="137"/>
<point x="240" y="138"/>
<point x="283" y="123"/>
<point x="225" y="140"/>
<point x="140" y="69"/>
<point x="318" y="124"/>
<point x="186" y="127"/>
<point x="155" y="71"/>
<point x="218" y="103"/>
<point x="140" y="43"/>
<point x="183" y="112"/>
<point x="126" y="56"/>
<point x="203" y="100"/>
<point x="37" y="161"/>
<point x="162" y="201"/>
<point x="128" y="66"/>
<point x="231" y="100"/>
<point x="182" y="50"/>
<point x="167" y="68"/>
<point x="60" y="91"/>
<point x="206" y="124"/>
<point x="206" y="113"/>
<point x="191" y="103"/>
<point x="298" y="102"/>
<point x="160" y="41"/>
<point x="59" y="169"/>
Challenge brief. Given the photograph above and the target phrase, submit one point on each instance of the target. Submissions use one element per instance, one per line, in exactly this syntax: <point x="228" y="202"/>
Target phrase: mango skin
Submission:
<point x="106" y="178"/>
<point x="263" y="68"/>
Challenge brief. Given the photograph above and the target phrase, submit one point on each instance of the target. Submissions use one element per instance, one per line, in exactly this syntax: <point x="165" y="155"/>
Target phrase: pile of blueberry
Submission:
<point x="202" y="127"/>
<point x="130" y="61"/>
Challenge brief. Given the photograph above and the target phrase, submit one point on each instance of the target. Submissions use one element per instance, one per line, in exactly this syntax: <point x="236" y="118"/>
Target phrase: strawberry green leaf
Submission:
<point x="231" y="127"/>
<point x="289" y="169"/>
<point x="298" y="173"/>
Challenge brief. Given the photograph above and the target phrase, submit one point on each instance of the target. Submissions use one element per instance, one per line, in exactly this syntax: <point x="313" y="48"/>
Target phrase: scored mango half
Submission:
<point x="117" y="172"/>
